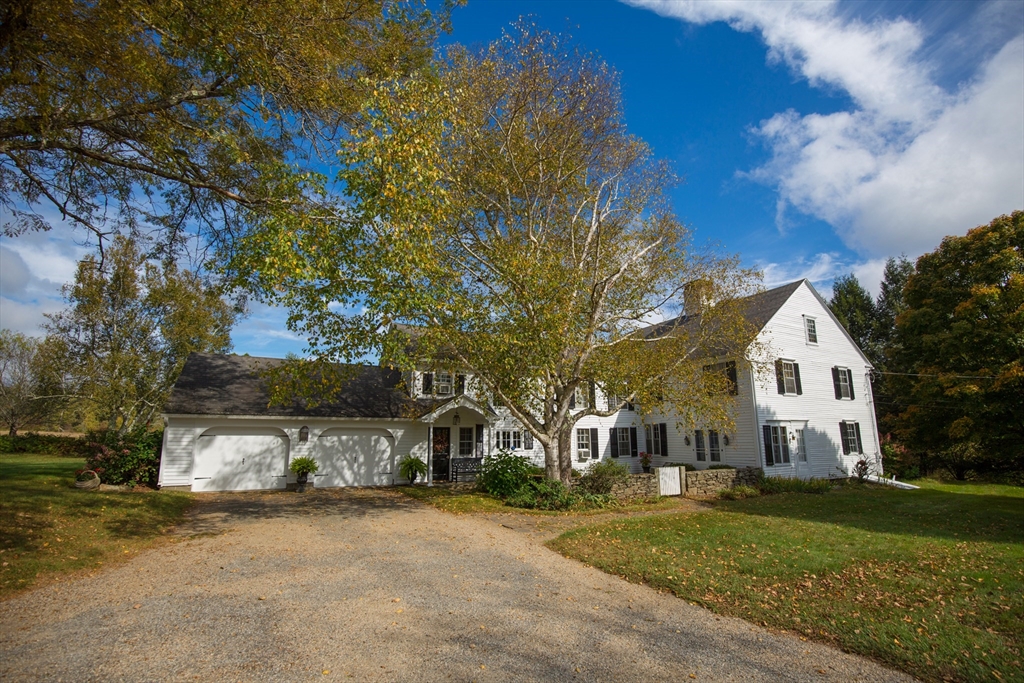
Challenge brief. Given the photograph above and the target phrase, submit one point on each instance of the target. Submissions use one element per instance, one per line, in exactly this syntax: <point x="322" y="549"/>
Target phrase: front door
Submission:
<point x="442" y="452"/>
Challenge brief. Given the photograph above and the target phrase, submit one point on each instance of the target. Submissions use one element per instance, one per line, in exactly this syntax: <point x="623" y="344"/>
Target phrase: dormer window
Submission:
<point x="811" y="328"/>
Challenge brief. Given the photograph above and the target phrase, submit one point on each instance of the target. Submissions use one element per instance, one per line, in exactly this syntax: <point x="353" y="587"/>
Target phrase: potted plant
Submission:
<point x="303" y="467"/>
<point x="645" y="461"/>
<point x="411" y="467"/>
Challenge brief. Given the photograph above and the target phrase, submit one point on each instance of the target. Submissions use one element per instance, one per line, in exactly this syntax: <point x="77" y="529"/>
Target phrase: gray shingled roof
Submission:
<point x="214" y="384"/>
<point x="759" y="309"/>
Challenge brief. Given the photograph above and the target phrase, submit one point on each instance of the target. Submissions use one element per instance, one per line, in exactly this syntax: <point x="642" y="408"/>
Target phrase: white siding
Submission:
<point x="182" y="432"/>
<point x="817" y="406"/>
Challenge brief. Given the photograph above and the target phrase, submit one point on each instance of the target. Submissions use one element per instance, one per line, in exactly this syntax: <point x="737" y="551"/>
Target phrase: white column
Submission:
<point x="430" y="455"/>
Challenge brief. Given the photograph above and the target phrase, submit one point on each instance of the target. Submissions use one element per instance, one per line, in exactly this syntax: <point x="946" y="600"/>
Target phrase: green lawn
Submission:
<point x="926" y="581"/>
<point x="47" y="527"/>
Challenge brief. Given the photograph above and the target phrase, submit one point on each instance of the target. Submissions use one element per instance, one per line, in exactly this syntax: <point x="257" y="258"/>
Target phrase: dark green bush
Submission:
<point x="45" y="444"/>
<point x="546" y="494"/>
<point x="721" y="466"/>
<point x="602" y="476"/>
<point x="770" y="485"/>
<point x="130" y="459"/>
<point x="503" y="474"/>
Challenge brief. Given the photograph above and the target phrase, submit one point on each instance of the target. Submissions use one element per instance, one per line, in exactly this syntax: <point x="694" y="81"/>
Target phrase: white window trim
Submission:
<point x="807" y="333"/>
<point x="845" y="381"/>
<point x="791" y="377"/>
<point x="442" y="379"/>
<point x="582" y="451"/>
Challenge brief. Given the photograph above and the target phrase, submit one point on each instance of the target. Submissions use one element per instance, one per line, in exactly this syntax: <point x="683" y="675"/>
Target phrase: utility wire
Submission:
<point x="916" y="374"/>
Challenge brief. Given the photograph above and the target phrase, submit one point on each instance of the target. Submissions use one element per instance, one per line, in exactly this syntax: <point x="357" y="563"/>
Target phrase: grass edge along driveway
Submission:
<point x="927" y="581"/>
<point x="49" y="529"/>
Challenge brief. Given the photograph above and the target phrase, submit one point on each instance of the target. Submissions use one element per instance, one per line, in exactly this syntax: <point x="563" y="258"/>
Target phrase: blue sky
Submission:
<point x="815" y="139"/>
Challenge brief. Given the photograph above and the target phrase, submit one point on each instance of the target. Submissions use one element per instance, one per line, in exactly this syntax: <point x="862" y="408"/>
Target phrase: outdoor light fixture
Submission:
<point x="686" y="439"/>
<point x="726" y="439"/>
<point x="456" y="419"/>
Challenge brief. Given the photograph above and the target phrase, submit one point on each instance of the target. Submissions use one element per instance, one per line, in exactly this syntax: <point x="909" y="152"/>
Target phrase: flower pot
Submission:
<point x="412" y="479"/>
<point x="646" y="469"/>
<point x="301" y="481"/>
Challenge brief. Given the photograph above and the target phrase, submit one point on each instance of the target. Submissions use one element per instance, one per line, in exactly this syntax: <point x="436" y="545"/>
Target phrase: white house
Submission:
<point x="814" y="418"/>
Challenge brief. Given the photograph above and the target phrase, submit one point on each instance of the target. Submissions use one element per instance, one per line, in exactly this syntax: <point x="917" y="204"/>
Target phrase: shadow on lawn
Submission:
<point x="924" y="513"/>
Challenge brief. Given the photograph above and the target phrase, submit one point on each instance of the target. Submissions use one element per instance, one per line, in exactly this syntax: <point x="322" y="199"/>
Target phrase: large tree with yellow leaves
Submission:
<point x="502" y="209"/>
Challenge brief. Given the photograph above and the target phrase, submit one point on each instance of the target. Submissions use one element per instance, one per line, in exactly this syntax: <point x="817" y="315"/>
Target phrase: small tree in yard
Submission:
<point x="501" y="208"/>
<point x="130" y="325"/>
<point x="28" y="396"/>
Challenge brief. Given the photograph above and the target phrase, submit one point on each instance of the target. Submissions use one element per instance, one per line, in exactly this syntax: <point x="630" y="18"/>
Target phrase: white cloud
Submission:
<point x="909" y="162"/>
<point x="822" y="269"/>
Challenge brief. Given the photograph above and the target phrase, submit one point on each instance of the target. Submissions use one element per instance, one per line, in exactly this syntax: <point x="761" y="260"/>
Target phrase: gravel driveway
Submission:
<point x="369" y="585"/>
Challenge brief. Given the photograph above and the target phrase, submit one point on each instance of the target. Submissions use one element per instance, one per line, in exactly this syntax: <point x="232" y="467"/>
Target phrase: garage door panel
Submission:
<point x="240" y="462"/>
<point x="353" y="459"/>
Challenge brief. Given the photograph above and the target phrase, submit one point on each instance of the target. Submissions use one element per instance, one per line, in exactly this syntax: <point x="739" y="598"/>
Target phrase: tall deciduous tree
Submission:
<point x="186" y="114"/>
<point x="960" y="341"/>
<point x="508" y="215"/>
<point x="129" y="326"/>
<point x="27" y="398"/>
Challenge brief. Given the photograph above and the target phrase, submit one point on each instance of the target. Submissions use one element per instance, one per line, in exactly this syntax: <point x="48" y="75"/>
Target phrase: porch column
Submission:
<point x="430" y="455"/>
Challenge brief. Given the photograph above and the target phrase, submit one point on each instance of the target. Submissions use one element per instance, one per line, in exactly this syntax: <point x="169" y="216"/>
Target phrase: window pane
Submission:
<point x="801" y="445"/>
<point x="716" y="451"/>
<point x="812" y="330"/>
<point x="582" y="444"/>
<point x="443" y="383"/>
<point x="517" y="442"/>
<point x="625" y="447"/>
<point x="790" y="377"/>
<point x="466" y="442"/>
<point x="698" y="440"/>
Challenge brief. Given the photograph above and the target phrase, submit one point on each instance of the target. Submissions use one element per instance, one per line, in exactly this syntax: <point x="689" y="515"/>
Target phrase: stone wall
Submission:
<point x="709" y="482"/>
<point x="637" y="486"/>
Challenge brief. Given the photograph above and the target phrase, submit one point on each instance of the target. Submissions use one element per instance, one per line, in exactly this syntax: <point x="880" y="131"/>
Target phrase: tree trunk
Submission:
<point x="565" y="455"/>
<point x="13" y="431"/>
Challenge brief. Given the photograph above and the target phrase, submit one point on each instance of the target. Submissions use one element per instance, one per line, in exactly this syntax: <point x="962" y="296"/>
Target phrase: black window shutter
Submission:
<point x="428" y="382"/>
<point x="856" y="430"/>
<point x="768" y="459"/>
<point x="527" y="441"/>
<point x="664" y="439"/>
<point x="593" y="394"/>
<point x="842" y="438"/>
<point x="460" y="384"/>
<point x="730" y="369"/>
<point x="780" y="377"/>
<point x="796" y="376"/>
<point x="595" y="453"/>
<point x="480" y="438"/>
<point x="849" y="377"/>
<point x="835" y="381"/>
<point x="572" y="400"/>
<point x="632" y="441"/>
<point x="614" y="436"/>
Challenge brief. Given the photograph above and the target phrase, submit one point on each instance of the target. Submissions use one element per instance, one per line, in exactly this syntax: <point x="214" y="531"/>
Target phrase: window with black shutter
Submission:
<point x="842" y="382"/>
<point x="664" y="439"/>
<point x="769" y="453"/>
<point x="595" y="454"/>
<point x="849" y="433"/>
<point x="460" y="384"/>
<point x="632" y="442"/>
<point x="613" y="436"/>
<point x="787" y="377"/>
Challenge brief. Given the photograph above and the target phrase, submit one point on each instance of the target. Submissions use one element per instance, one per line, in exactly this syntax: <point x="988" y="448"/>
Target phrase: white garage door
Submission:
<point x="240" y="462"/>
<point x="353" y="457"/>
